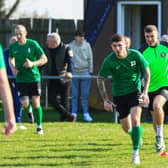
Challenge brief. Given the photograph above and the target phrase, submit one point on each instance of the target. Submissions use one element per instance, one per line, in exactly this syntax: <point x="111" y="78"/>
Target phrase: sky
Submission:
<point x="59" y="9"/>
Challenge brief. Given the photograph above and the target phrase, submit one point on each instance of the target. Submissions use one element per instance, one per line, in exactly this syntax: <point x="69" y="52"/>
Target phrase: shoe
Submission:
<point x="164" y="154"/>
<point x="87" y="117"/>
<point x="135" y="159"/>
<point x="40" y="131"/>
<point x="160" y="146"/>
<point x="71" y="118"/>
<point x="31" y="117"/>
<point x="68" y="117"/>
<point x="22" y="127"/>
<point x="75" y="115"/>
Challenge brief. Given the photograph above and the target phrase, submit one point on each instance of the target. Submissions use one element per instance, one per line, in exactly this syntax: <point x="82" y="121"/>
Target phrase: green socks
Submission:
<point x="28" y="109"/>
<point x="130" y="131"/>
<point x="38" y="115"/>
<point x="136" y="135"/>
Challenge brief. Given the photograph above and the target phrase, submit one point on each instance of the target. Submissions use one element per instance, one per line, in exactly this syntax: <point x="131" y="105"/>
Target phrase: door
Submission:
<point x="132" y="16"/>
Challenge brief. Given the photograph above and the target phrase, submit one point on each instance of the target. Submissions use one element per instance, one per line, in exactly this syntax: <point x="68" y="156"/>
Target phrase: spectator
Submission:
<point x="83" y="67"/>
<point x="17" y="105"/>
<point x="128" y="41"/>
<point x="25" y="56"/>
<point x="164" y="38"/>
<point x="59" y="64"/>
<point x="5" y="94"/>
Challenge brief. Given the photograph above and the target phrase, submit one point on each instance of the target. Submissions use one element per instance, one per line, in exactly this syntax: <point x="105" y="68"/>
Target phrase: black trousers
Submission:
<point x="61" y="104"/>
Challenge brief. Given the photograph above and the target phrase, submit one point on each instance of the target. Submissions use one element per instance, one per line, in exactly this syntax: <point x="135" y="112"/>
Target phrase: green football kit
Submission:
<point x="33" y="52"/>
<point x="28" y="79"/>
<point x="126" y="73"/>
<point x="157" y="57"/>
<point x="126" y="83"/>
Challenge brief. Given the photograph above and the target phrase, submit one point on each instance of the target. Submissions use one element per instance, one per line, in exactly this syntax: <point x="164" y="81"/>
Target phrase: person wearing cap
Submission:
<point x="59" y="64"/>
<point x="83" y="67"/>
<point x="25" y="56"/>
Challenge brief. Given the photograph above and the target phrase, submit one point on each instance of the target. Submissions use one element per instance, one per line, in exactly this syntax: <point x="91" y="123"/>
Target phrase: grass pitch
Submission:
<point x="101" y="144"/>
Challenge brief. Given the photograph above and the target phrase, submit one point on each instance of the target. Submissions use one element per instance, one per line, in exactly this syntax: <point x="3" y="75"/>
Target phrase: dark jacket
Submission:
<point x="59" y="60"/>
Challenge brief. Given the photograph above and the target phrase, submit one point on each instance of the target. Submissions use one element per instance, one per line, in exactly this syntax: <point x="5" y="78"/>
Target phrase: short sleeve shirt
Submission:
<point x="32" y="51"/>
<point x="126" y="73"/>
<point x="158" y="63"/>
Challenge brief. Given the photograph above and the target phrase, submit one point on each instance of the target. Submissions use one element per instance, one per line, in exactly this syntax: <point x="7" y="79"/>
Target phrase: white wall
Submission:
<point x="60" y="9"/>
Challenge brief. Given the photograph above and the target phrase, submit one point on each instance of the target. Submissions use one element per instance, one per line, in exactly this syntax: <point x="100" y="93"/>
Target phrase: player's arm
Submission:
<point x="108" y="105"/>
<point x="40" y="62"/>
<point x="11" y="61"/>
<point x="146" y="78"/>
<point x="102" y="88"/>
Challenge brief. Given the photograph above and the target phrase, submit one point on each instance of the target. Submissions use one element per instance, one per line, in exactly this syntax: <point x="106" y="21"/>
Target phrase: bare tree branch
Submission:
<point x="13" y="8"/>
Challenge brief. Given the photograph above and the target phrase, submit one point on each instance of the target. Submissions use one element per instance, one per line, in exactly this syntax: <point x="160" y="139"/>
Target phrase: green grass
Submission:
<point x="71" y="145"/>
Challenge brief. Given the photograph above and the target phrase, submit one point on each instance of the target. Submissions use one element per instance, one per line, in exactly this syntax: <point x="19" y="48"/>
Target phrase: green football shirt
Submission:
<point x="2" y="62"/>
<point x="126" y="73"/>
<point x="33" y="52"/>
<point x="158" y="63"/>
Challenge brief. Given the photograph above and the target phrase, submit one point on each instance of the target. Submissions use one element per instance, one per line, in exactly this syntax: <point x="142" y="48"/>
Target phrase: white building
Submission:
<point x="58" y="9"/>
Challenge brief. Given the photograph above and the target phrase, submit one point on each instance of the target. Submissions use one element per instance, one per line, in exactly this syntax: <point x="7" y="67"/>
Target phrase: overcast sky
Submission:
<point x="62" y="9"/>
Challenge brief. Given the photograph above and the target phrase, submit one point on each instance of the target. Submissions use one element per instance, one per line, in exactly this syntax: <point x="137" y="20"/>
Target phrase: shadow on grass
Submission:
<point x="50" y="115"/>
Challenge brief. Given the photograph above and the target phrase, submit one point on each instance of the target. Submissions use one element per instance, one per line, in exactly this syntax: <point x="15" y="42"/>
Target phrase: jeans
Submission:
<point x="80" y="91"/>
<point x="16" y="101"/>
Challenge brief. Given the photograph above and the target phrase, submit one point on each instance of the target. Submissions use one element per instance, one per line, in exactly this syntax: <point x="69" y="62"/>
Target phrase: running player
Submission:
<point x="156" y="53"/>
<point x="25" y="57"/>
<point x="126" y="66"/>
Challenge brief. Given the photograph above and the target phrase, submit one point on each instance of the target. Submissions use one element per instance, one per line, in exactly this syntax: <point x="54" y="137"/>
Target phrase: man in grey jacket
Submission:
<point x="83" y="67"/>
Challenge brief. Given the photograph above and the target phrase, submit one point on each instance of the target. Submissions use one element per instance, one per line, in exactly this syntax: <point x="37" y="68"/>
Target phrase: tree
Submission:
<point x="3" y="13"/>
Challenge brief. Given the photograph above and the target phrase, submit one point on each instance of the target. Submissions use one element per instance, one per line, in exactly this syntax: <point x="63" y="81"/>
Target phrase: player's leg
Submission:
<point x="153" y="121"/>
<point x="136" y="132"/>
<point x="126" y="124"/>
<point x="24" y="100"/>
<point x="34" y="93"/>
<point x="38" y="111"/>
<point x="158" y="120"/>
<point x="136" y="127"/>
<point x="124" y="104"/>
<point x="27" y="108"/>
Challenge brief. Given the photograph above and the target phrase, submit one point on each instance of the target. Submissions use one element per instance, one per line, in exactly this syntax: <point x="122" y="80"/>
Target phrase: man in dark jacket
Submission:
<point x="59" y="64"/>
